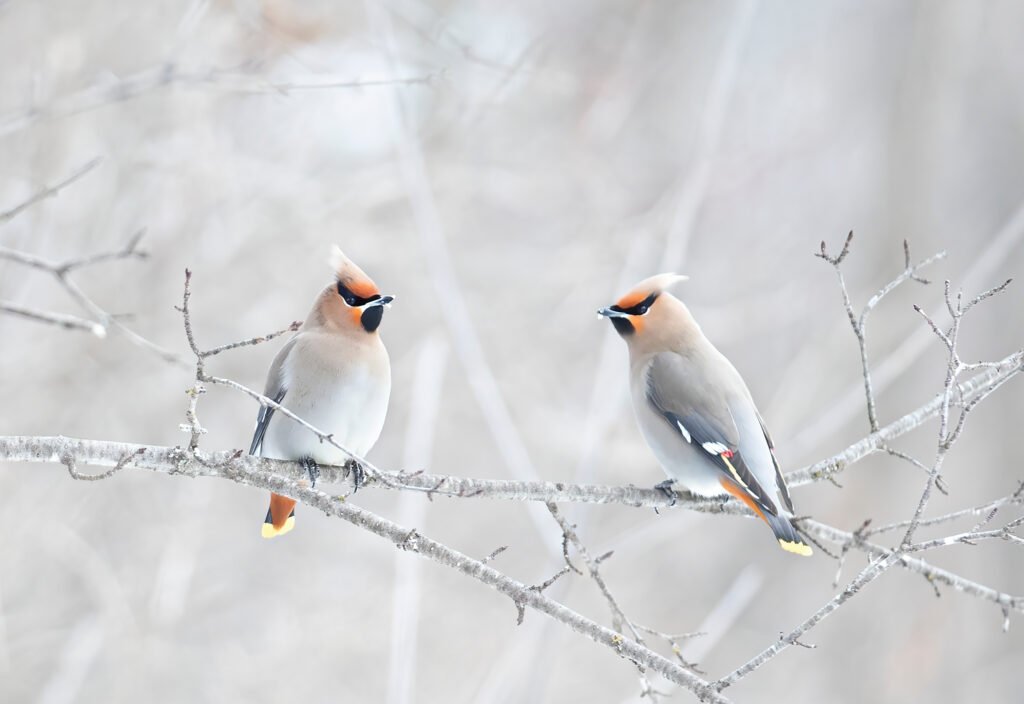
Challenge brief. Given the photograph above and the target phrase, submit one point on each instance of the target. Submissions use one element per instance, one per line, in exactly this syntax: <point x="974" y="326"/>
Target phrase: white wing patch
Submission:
<point x="684" y="431"/>
<point x="714" y="448"/>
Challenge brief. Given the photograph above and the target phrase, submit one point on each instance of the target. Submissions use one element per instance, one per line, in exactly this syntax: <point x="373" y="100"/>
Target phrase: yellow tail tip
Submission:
<point x="269" y="531"/>
<point x="789" y="546"/>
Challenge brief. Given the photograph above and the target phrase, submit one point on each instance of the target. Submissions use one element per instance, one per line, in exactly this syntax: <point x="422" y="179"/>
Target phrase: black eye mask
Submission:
<point x="639" y="309"/>
<point x="352" y="299"/>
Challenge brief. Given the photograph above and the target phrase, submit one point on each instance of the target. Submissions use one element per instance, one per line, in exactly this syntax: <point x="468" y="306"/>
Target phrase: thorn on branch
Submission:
<point x="538" y="588"/>
<point x="520" y="611"/>
<point x="494" y="554"/>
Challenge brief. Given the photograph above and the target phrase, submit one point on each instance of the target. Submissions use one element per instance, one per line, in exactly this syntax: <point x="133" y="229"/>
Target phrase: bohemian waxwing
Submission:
<point x="334" y="374"/>
<point x="695" y="411"/>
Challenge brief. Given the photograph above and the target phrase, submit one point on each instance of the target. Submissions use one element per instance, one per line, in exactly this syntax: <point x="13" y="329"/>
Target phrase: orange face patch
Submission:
<point x="355" y="313"/>
<point x="632" y="298"/>
<point x="361" y="286"/>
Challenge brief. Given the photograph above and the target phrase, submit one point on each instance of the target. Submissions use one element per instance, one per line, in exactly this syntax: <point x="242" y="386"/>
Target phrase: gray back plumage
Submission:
<point x="704" y="400"/>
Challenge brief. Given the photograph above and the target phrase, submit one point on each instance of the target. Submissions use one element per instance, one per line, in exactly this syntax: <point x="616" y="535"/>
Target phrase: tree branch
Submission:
<point x="266" y="474"/>
<point x="235" y="463"/>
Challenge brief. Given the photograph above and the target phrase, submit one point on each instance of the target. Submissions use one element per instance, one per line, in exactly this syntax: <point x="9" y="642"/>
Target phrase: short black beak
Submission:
<point x="382" y="301"/>
<point x="609" y="313"/>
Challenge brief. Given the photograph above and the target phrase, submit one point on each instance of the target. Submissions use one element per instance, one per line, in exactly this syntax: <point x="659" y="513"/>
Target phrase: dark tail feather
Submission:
<point x="788" y="538"/>
<point x="280" y="516"/>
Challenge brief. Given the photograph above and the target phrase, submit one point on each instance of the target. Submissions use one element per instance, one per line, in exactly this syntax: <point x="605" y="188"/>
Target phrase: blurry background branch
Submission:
<point x="243" y="79"/>
<point x="101" y="321"/>
<point x="49" y="191"/>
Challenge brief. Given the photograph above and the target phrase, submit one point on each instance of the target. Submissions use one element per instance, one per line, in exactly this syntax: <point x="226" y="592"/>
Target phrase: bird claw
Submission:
<point x="312" y="469"/>
<point x="357" y="473"/>
<point x="665" y="488"/>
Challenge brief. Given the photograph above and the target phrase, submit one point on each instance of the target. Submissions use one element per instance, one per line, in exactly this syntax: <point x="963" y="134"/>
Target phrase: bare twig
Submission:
<point x="954" y="367"/>
<point x="62" y="270"/>
<point x="69" y="462"/>
<point x="939" y="483"/>
<point x="867" y="575"/>
<point x="63" y="320"/>
<point x="620" y="621"/>
<point x="859" y="323"/>
<point x="933" y="574"/>
<point x="842" y="407"/>
<point x="49" y="191"/>
<point x="989" y="509"/>
<point x="991" y="378"/>
<point x="494" y="553"/>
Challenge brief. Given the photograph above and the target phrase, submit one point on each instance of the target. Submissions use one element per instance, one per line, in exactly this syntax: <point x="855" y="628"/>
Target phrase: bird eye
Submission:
<point x="643" y="306"/>
<point x="352" y="299"/>
<point x="640" y="308"/>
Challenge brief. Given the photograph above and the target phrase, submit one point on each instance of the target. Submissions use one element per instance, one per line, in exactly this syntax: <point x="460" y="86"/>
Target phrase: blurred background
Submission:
<point x="504" y="169"/>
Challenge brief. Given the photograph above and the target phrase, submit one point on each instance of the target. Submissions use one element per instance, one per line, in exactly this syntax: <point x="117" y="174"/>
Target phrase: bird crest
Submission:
<point x="351" y="276"/>
<point x="653" y="285"/>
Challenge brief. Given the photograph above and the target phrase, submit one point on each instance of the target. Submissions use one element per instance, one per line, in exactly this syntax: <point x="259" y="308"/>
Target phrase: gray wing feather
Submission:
<point x="680" y="392"/>
<point x="779" y="480"/>
<point x="274" y="389"/>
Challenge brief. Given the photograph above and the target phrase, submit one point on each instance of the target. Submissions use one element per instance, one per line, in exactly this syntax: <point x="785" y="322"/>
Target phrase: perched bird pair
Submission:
<point x="691" y="404"/>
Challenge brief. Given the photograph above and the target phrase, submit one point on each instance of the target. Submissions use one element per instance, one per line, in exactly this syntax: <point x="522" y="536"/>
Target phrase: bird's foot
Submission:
<point x="310" y="465"/>
<point x="357" y="473"/>
<point x="665" y="488"/>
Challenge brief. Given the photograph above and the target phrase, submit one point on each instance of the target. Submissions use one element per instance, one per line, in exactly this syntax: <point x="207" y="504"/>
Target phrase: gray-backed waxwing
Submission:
<point x="695" y="411"/>
<point x="334" y="373"/>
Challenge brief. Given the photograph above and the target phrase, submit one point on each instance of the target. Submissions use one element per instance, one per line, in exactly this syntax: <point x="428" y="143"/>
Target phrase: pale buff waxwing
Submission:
<point x="335" y="374"/>
<point x="694" y="410"/>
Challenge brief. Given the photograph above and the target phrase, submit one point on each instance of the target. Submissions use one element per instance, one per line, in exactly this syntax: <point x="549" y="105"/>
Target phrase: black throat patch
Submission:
<point x="623" y="326"/>
<point x="371" y="318"/>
